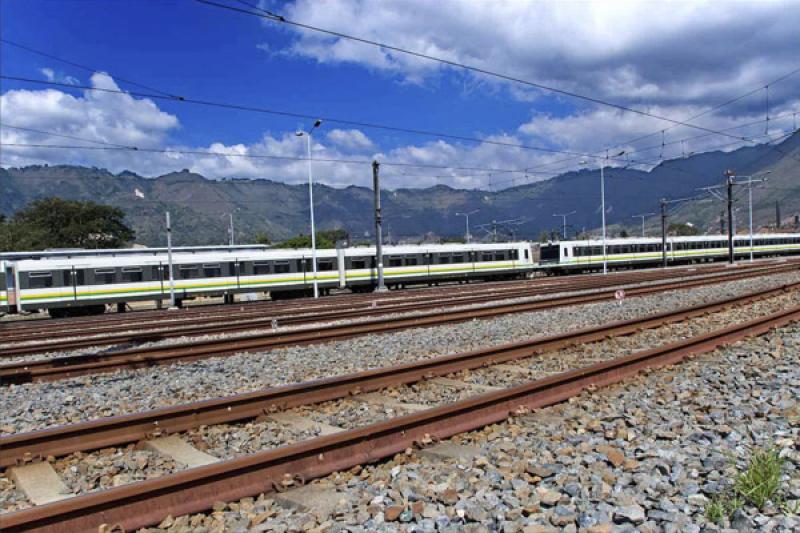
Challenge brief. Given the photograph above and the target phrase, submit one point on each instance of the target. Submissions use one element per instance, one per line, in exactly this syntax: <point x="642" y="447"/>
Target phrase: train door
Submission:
<point x="11" y="287"/>
<point x="73" y="274"/>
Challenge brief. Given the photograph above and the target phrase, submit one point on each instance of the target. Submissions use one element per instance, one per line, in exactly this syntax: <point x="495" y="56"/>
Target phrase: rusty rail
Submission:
<point x="78" y="335"/>
<point x="51" y="369"/>
<point x="194" y="490"/>
<point x="118" y="430"/>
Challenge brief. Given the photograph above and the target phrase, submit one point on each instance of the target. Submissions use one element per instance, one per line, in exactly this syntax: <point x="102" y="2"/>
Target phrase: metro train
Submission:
<point x="70" y="282"/>
<point x="587" y="255"/>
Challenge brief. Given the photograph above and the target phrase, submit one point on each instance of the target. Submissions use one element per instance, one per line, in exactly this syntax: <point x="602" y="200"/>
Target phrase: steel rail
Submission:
<point x="19" y="330"/>
<point x="248" y="319"/>
<point x="50" y="369"/>
<point x="163" y="322"/>
<point x="194" y="490"/>
<point x="123" y="429"/>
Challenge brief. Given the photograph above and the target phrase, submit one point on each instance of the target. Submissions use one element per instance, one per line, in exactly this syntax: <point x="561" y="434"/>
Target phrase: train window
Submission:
<point x="444" y="259"/>
<point x="212" y="270"/>
<point x="499" y="256"/>
<point x="514" y="254"/>
<point x="104" y="276"/>
<point x="131" y="274"/>
<point x="458" y="258"/>
<point x="395" y="261"/>
<point x="411" y="261"/>
<point x="359" y="264"/>
<point x="40" y="280"/>
<point x="486" y="257"/>
<point x="325" y="265"/>
<point x="189" y="271"/>
<point x="80" y="277"/>
<point x="260" y="268"/>
<point x="566" y="252"/>
<point x="526" y="254"/>
<point x="281" y="267"/>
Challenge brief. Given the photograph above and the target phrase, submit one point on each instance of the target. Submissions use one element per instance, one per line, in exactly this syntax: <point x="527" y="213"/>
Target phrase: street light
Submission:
<point x="750" y="202"/>
<point x="564" y="221"/>
<point x="466" y="215"/>
<point x="603" y="203"/>
<point x="643" y="216"/>
<point x="307" y="135"/>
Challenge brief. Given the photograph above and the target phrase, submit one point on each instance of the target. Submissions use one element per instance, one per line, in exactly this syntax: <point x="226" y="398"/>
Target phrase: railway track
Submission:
<point x="196" y="489"/>
<point x="50" y="369"/>
<point x="142" y="320"/>
<point x="105" y="335"/>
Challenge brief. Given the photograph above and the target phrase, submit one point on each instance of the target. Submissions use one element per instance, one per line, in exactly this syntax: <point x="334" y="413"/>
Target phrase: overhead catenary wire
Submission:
<point x="281" y="19"/>
<point x="306" y="116"/>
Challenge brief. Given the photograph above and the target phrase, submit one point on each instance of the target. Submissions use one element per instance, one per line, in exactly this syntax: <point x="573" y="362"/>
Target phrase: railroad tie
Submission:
<point x="464" y="385"/>
<point x="40" y="483"/>
<point x="376" y="398"/>
<point x="512" y="368"/>
<point x="303" y="424"/>
<point x="180" y="450"/>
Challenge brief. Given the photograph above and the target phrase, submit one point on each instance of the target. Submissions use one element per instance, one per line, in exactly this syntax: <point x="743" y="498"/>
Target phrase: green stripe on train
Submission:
<point x="217" y="286"/>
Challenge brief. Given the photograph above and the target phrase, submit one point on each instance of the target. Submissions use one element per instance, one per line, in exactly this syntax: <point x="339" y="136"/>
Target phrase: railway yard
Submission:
<point x="632" y="401"/>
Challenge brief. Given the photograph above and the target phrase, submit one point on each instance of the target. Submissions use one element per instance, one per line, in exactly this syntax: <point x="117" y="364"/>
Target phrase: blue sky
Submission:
<point x="670" y="60"/>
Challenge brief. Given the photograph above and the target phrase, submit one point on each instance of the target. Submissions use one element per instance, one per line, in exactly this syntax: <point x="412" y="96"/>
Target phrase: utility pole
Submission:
<point x="664" y="232"/>
<point x="376" y="186"/>
<point x="729" y="187"/>
<point x="230" y="230"/>
<point x="468" y="236"/>
<point x="643" y="216"/>
<point x="664" y="203"/>
<point x="564" y="222"/>
<point x="777" y="214"/>
<point x="169" y="264"/>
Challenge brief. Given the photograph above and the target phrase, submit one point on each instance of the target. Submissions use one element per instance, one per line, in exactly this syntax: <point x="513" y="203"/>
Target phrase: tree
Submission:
<point x="623" y="234"/>
<point x="682" y="230"/>
<point x="325" y="239"/>
<point x="262" y="238"/>
<point x="58" y="223"/>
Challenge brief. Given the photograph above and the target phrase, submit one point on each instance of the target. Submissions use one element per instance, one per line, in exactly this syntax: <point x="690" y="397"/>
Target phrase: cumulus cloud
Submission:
<point x="51" y="75"/>
<point x="654" y="53"/>
<point x="352" y="140"/>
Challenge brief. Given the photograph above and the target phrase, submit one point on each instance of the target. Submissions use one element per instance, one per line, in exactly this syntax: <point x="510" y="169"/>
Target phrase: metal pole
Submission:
<point x="664" y="233"/>
<point x="169" y="263"/>
<point x="750" y="200"/>
<point x="729" y="184"/>
<point x="603" y="207"/>
<point x="643" y="226"/>
<point x="376" y="186"/>
<point x="466" y="216"/>
<point x="311" y="208"/>
<point x="231" y="229"/>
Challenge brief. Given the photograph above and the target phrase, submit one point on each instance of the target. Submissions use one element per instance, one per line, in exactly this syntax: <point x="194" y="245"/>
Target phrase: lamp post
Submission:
<point x="564" y="222"/>
<point x="603" y="206"/>
<point x="643" y="216"/>
<point x="466" y="215"/>
<point x="750" y="202"/>
<point x="307" y="135"/>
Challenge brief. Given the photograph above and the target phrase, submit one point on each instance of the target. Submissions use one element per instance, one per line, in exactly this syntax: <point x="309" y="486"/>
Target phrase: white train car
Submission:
<point x="6" y="282"/>
<point x="587" y="255"/>
<point x="405" y="265"/>
<point x="84" y="282"/>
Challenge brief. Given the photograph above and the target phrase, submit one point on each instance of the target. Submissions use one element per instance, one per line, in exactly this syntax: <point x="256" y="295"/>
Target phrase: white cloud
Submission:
<point x="352" y="140"/>
<point x="51" y="75"/>
<point x="633" y="52"/>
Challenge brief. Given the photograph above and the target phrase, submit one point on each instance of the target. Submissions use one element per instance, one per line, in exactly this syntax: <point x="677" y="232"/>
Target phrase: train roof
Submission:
<point x="226" y="254"/>
<point x="117" y="252"/>
<point x="657" y="240"/>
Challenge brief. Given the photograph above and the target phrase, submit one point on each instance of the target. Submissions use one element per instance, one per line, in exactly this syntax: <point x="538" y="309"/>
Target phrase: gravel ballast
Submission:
<point x="38" y="405"/>
<point x="646" y="455"/>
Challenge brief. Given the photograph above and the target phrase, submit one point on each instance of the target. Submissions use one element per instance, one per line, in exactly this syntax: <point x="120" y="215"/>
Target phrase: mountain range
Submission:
<point x="200" y="207"/>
